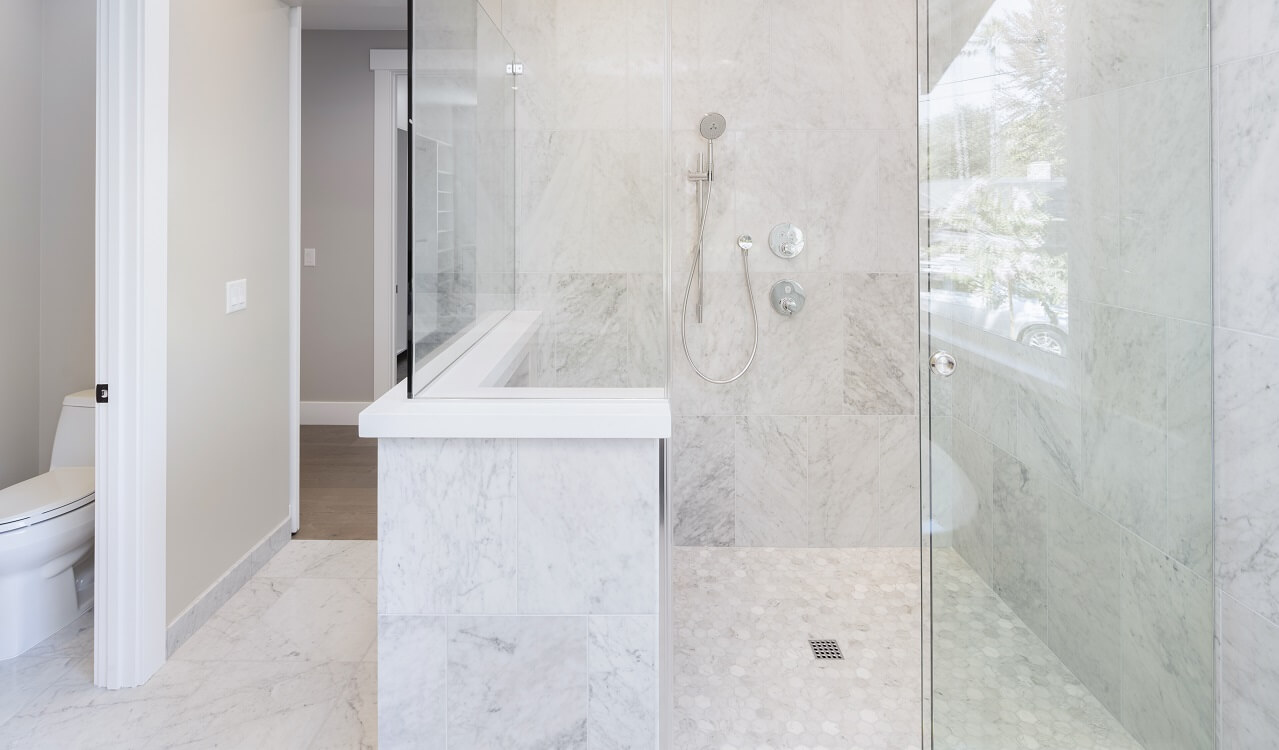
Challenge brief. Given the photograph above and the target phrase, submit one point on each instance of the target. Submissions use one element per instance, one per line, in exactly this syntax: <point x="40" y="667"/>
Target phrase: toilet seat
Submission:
<point x="54" y="493"/>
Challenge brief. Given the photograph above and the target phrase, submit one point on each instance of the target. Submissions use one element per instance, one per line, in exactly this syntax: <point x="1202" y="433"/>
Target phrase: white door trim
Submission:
<point x="385" y="64"/>
<point x="295" y="268"/>
<point x="132" y="206"/>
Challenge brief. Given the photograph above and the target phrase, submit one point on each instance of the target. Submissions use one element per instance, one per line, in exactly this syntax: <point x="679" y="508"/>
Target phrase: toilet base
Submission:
<point x="39" y="568"/>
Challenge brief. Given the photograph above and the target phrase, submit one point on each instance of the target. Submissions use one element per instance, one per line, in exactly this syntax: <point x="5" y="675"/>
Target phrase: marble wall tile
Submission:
<point x="701" y="465"/>
<point x="1085" y="558"/>
<point x="596" y="65"/>
<point x="1140" y="240"/>
<point x="844" y="460"/>
<point x="589" y="329"/>
<point x="1249" y="687"/>
<point x="590" y="201"/>
<point x="1247" y="488"/>
<point x="798" y="369"/>
<point x="1048" y="436"/>
<point x="412" y="680"/>
<point x="770" y="482"/>
<point x="447" y="523"/>
<point x="1243" y="28"/>
<point x="1103" y="53"/>
<point x="899" y="214"/>
<point x="880" y="348"/>
<point x="1190" y="398"/>
<point x="1019" y="520"/>
<point x="1125" y="408"/>
<point x="622" y="660"/>
<point x="898" y="522"/>
<point x="720" y="345"/>
<point x="588" y="526"/>
<point x="1246" y="115"/>
<point x="964" y="475"/>
<point x="493" y="661"/>
<point x="647" y="340"/>
<point x="1167" y="650"/>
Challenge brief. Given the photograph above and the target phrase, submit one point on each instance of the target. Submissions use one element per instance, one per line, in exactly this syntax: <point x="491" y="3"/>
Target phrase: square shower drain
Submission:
<point x="825" y="649"/>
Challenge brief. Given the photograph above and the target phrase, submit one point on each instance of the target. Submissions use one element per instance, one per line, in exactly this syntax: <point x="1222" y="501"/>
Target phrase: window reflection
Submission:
<point x="996" y="200"/>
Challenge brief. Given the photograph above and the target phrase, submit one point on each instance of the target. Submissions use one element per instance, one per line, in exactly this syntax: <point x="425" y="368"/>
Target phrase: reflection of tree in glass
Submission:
<point x="999" y="230"/>
<point x="1007" y="147"/>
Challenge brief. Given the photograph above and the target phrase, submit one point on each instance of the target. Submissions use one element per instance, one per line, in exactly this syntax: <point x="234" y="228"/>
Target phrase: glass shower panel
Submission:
<point x="463" y="169"/>
<point x="1067" y="270"/>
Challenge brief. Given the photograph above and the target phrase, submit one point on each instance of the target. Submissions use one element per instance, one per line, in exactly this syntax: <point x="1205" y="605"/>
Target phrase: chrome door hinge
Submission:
<point x="515" y="69"/>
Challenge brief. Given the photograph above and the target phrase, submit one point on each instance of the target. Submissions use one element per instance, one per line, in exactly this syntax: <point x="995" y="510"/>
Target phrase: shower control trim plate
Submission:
<point x="786" y="241"/>
<point x="787" y="297"/>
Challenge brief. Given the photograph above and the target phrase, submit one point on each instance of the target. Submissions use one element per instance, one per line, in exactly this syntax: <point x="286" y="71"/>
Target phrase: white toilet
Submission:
<point x="46" y="537"/>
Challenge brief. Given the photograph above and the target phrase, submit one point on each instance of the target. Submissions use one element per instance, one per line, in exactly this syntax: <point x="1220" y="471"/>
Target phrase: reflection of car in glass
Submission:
<point x="958" y="296"/>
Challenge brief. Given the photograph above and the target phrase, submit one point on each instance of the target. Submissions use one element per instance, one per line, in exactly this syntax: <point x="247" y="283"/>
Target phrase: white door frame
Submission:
<point x="295" y="268"/>
<point x="131" y="248"/>
<point x="386" y="64"/>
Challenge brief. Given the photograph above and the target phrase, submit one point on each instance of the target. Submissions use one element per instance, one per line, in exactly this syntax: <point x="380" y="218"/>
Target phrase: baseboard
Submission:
<point x="332" y="412"/>
<point x="206" y="604"/>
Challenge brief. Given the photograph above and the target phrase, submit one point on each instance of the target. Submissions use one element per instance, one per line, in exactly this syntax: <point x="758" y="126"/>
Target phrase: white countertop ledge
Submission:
<point x="395" y="415"/>
<point x="466" y="399"/>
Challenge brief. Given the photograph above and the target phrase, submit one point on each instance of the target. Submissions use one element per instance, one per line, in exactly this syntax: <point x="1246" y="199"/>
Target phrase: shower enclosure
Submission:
<point x="964" y="481"/>
<point x="1066" y="273"/>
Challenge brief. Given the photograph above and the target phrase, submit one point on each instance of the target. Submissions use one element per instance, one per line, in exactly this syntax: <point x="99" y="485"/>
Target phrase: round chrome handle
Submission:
<point x="943" y="363"/>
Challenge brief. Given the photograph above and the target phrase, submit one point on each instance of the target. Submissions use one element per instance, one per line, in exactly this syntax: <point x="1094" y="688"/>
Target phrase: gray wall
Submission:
<point x="228" y="436"/>
<point x="47" y="216"/>
<point x="67" y="188"/>
<point x="337" y="212"/>
<point x="20" y="22"/>
<point x="1246" y="103"/>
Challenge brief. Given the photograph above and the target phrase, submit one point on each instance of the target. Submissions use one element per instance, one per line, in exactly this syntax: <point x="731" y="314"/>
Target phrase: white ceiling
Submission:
<point x="354" y="15"/>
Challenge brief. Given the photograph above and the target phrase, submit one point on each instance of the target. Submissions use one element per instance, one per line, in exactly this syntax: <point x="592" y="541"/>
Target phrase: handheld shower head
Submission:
<point x="713" y="126"/>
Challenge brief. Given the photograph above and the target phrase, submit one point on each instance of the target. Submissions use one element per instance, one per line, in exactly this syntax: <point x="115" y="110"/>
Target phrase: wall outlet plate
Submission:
<point x="237" y="295"/>
<point x="308" y="256"/>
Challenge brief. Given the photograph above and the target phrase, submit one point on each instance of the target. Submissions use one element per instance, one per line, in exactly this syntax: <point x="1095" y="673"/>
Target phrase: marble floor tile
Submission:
<point x="289" y="662"/>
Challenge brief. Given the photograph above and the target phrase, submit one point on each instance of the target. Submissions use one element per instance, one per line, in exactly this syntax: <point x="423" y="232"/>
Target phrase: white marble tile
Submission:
<point x="1247" y="435"/>
<point x="588" y="526"/>
<point x="899" y="522"/>
<point x="588" y="65"/>
<point x="1249" y="689"/>
<point x="492" y="662"/>
<point x="447" y="526"/>
<point x="1019" y="533"/>
<point x="1111" y="45"/>
<point x="844" y="460"/>
<point x="880" y="320"/>
<point x="1246" y="110"/>
<point x="964" y="479"/>
<point x="1125" y="456"/>
<point x="720" y="346"/>
<point x="353" y="722"/>
<point x="591" y="201"/>
<point x="1047" y="436"/>
<point x="1190" y="435"/>
<point x="701" y="481"/>
<point x="622" y="661"/>
<point x="1243" y="28"/>
<point x="799" y="366"/>
<point x="73" y="641"/>
<point x="1167" y="651"/>
<point x="24" y="677"/>
<point x="647" y="341"/>
<point x="299" y="619"/>
<point x="770" y="481"/>
<point x="589" y="315"/>
<point x="1085" y="558"/>
<point x="412" y="681"/>
<point x="304" y="558"/>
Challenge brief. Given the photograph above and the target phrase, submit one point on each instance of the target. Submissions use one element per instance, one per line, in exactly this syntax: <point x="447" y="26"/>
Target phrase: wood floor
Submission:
<point x="338" y="484"/>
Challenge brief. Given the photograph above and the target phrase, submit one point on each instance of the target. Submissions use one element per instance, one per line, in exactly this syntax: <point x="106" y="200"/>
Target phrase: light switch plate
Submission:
<point x="237" y="295"/>
<point x="308" y="256"/>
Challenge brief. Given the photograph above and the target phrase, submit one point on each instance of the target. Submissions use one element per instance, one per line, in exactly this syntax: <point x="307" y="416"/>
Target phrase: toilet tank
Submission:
<point x="74" y="440"/>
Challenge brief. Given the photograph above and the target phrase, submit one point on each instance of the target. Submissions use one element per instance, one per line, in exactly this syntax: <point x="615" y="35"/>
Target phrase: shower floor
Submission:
<point x="745" y="677"/>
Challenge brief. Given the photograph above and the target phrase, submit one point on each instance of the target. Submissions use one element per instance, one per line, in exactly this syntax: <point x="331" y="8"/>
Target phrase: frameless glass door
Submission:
<point x="1066" y="289"/>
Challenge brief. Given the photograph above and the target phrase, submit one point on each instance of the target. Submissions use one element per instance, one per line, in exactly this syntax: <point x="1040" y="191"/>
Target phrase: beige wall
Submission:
<point x="337" y="212"/>
<point x="228" y="374"/>
<point x="66" y="209"/>
<point x="19" y="236"/>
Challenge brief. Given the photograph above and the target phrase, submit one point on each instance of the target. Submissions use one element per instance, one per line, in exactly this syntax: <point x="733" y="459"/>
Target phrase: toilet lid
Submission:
<point x="49" y="495"/>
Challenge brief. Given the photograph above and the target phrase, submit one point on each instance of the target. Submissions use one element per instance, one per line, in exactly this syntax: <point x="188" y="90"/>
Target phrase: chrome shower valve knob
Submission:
<point x="787" y="297"/>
